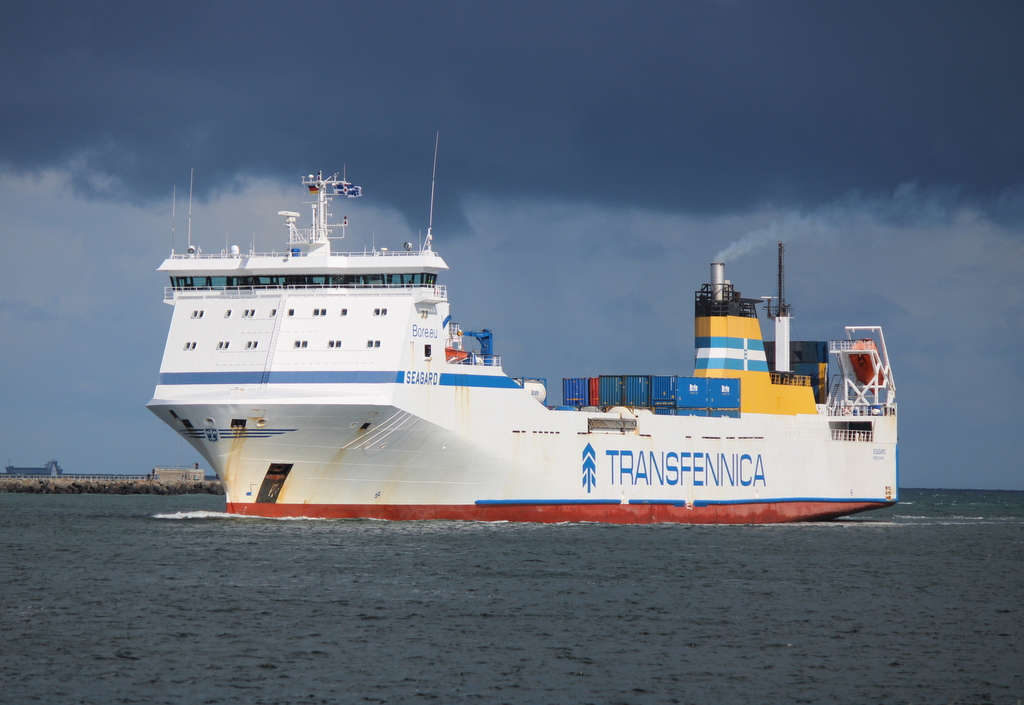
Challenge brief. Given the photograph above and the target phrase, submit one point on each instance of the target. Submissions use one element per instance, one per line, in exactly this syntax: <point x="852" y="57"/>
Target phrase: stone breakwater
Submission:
<point x="66" y="485"/>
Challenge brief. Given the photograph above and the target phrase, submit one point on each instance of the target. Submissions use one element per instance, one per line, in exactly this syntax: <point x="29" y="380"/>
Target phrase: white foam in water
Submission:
<point x="224" y="515"/>
<point x="196" y="515"/>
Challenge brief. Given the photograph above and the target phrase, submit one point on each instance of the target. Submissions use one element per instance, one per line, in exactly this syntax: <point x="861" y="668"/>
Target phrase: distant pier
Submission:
<point x="51" y="479"/>
<point x="106" y="484"/>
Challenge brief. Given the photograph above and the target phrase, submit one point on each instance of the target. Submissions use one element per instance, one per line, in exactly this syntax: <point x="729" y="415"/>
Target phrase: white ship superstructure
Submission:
<point x="337" y="385"/>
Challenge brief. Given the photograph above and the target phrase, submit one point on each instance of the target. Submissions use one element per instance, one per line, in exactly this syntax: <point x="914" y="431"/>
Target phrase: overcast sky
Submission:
<point x="594" y="158"/>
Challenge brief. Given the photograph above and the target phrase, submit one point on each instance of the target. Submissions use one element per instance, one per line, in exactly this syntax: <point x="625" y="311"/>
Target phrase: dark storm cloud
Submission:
<point x="679" y="106"/>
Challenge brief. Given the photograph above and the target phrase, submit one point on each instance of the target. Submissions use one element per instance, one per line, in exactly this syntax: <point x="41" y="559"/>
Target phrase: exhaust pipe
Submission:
<point x="717" y="280"/>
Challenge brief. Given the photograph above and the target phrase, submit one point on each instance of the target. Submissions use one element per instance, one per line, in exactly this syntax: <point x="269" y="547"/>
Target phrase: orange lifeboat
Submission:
<point x="455" y="355"/>
<point x="864" y="364"/>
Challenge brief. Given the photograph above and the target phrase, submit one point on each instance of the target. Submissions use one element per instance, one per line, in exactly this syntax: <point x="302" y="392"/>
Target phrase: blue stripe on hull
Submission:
<point x="527" y="502"/>
<point x="773" y="500"/>
<point x="679" y="502"/>
<point x="447" y="379"/>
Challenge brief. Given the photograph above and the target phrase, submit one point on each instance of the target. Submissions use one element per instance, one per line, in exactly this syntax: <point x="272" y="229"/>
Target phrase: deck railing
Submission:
<point x="845" y="434"/>
<point x="288" y="253"/>
<point x="790" y="379"/>
<point x="439" y="290"/>
<point x="477" y="359"/>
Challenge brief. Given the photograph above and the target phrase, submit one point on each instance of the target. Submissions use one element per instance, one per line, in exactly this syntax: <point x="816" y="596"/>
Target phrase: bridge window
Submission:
<point x="308" y="280"/>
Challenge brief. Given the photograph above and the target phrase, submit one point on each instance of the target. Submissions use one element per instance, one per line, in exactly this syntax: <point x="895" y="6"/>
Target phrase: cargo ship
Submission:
<point x="338" y="385"/>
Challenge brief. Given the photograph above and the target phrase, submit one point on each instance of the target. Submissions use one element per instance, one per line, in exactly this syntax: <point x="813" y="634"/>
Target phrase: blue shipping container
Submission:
<point x="724" y="393"/>
<point x="611" y="390"/>
<point x="664" y="411"/>
<point x="731" y="413"/>
<point x="691" y="412"/>
<point x="637" y="390"/>
<point x="663" y="390"/>
<point x="575" y="391"/>
<point x="692" y="393"/>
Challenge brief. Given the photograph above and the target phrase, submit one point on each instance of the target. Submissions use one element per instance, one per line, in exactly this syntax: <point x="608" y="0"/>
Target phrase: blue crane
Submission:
<point x="486" y="340"/>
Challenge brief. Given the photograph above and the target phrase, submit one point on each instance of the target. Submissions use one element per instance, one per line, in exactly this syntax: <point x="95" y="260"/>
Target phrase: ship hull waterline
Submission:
<point x="746" y="513"/>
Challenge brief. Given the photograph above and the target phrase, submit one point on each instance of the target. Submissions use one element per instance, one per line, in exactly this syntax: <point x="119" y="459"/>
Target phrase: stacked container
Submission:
<point x="707" y="396"/>
<point x="723" y="393"/>
<point x="636" y="390"/>
<point x="624" y="390"/>
<point x="576" y="391"/>
<point x="610" y="390"/>
<point x="663" y="391"/>
<point x="666" y="394"/>
<point x="692" y="393"/>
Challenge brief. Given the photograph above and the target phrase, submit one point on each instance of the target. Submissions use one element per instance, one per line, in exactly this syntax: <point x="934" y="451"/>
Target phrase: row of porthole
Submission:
<point x="299" y="344"/>
<point x="335" y="344"/>
<point x="251" y="312"/>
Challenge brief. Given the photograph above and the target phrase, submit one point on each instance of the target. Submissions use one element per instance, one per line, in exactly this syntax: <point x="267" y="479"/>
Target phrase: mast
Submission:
<point x="781" y="313"/>
<point x="191" y="175"/>
<point x="317" y="237"/>
<point x="433" y="177"/>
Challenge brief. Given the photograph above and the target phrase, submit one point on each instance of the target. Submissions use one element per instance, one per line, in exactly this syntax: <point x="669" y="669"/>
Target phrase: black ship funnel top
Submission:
<point x="720" y="299"/>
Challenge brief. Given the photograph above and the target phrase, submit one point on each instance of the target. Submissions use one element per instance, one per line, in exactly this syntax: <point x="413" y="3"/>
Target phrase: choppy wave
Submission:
<point x="914" y="605"/>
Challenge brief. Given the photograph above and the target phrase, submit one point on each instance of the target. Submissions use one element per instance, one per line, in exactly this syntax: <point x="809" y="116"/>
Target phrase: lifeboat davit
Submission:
<point x="864" y="363"/>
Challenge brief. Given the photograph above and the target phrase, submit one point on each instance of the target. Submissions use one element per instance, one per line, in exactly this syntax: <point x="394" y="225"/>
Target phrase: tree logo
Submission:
<point x="589" y="468"/>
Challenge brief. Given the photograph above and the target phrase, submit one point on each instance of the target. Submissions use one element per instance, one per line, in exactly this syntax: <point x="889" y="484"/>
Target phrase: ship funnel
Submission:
<point x="717" y="280"/>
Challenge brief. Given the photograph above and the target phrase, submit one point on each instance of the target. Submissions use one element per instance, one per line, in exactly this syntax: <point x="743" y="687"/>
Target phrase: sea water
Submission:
<point x="140" y="599"/>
